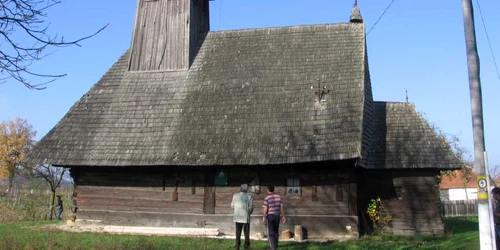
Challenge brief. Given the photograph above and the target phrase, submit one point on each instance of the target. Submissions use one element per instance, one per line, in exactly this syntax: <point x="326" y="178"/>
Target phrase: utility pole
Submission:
<point x="486" y="239"/>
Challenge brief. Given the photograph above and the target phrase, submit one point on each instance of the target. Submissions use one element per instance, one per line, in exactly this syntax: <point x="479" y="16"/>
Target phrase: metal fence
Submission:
<point x="459" y="208"/>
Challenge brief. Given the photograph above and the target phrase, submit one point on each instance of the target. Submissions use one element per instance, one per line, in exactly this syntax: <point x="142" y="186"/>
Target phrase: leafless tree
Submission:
<point x="461" y="154"/>
<point x="495" y="175"/>
<point x="24" y="39"/>
<point x="53" y="176"/>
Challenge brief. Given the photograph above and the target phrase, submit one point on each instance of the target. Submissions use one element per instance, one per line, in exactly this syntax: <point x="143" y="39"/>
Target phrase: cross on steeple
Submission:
<point x="321" y="91"/>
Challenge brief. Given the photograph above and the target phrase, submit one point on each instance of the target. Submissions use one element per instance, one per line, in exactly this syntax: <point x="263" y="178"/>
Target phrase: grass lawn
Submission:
<point x="462" y="233"/>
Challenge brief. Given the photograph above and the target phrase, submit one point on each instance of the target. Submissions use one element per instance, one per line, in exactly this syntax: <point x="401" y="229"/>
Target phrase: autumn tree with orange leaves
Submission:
<point x="16" y="139"/>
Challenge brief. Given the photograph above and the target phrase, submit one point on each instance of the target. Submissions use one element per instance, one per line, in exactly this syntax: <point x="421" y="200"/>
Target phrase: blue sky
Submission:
<point x="417" y="46"/>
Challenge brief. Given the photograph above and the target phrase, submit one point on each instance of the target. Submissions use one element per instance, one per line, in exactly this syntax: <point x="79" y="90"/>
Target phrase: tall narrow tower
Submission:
<point x="356" y="14"/>
<point x="167" y="33"/>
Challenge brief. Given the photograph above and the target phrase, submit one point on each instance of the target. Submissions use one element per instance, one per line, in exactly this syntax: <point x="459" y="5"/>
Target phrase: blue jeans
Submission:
<point x="58" y="213"/>
<point x="273" y="225"/>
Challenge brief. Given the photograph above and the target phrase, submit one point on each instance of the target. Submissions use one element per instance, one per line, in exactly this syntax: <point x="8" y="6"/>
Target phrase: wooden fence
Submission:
<point x="459" y="208"/>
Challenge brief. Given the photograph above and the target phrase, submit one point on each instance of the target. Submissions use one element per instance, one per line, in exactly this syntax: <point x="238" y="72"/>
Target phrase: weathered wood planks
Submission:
<point x="167" y="33"/>
<point x="117" y="195"/>
<point x="411" y="198"/>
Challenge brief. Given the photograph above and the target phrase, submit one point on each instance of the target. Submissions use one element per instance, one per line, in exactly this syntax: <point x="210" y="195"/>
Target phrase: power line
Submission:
<point x="348" y="57"/>
<point x="488" y="38"/>
<point x="383" y="13"/>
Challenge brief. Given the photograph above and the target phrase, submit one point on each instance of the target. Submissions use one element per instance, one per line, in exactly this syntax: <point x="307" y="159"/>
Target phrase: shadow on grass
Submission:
<point x="461" y="224"/>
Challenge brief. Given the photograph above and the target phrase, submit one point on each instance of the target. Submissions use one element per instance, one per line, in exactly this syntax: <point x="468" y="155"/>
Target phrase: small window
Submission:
<point x="255" y="185"/>
<point x="399" y="192"/>
<point x="293" y="187"/>
<point x="221" y="177"/>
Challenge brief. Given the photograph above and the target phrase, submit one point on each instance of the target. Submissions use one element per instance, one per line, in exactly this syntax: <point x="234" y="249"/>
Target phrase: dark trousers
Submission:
<point x="246" y="232"/>
<point x="273" y="225"/>
<point x="497" y="233"/>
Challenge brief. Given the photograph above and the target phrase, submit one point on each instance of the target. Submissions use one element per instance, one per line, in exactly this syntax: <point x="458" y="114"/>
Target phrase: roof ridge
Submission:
<point x="300" y="28"/>
<point x="393" y="102"/>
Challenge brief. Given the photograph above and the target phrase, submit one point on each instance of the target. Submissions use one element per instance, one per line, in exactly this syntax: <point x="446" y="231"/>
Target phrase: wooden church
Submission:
<point x="186" y="115"/>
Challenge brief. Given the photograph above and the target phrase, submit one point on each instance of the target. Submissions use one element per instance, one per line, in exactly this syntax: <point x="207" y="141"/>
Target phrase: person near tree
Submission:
<point x="60" y="208"/>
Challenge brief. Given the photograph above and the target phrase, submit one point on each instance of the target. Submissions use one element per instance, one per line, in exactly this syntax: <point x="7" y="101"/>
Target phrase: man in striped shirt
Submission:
<point x="273" y="208"/>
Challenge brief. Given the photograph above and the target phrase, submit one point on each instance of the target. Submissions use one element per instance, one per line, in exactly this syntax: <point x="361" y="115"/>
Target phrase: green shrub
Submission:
<point x="29" y="207"/>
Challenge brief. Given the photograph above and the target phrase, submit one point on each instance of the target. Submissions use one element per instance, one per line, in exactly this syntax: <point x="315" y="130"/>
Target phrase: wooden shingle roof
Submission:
<point x="248" y="98"/>
<point x="402" y="138"/>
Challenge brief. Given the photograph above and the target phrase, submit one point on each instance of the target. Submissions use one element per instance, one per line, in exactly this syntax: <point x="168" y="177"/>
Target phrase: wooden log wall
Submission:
<point x="335" y="193"/>
<point x="189" y="197"/>
<point x="411" y="198"/>
<point x="132" y="192"/>
<point x="184" y="191"/>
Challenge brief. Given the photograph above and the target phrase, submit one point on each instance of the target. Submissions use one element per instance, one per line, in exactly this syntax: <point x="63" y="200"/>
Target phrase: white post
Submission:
<point x="490" y="203"/>
<point x="483" y="209"/>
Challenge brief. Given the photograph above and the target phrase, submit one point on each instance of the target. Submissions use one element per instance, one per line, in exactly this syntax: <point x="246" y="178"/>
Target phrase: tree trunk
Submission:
<point x="11" y="180"/>
<point x="52" y="199"/>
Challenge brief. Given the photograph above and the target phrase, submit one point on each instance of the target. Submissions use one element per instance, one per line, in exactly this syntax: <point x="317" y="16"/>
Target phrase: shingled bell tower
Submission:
<point x="167" y="33"/>
<point x="356" y="14"/>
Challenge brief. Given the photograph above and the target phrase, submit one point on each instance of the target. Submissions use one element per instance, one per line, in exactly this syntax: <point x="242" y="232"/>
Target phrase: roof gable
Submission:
<point x="401" y="138"/>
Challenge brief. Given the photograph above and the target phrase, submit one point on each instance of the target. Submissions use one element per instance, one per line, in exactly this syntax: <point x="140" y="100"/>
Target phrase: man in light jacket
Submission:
<point x="243" y="207"/>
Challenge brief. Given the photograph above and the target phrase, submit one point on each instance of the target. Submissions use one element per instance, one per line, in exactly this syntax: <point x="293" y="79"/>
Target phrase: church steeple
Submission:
<point x="356" y="14"/>
<point x="167" y="33"/>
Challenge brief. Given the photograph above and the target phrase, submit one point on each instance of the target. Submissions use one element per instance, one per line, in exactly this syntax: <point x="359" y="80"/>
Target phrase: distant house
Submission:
<point x="457" y="187"/>
<point x="186" y="115"/>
